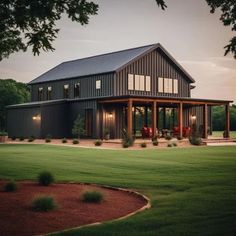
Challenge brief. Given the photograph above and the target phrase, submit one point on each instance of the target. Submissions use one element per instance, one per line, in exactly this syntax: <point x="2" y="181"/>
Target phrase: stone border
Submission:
<point x="146" y="206"/>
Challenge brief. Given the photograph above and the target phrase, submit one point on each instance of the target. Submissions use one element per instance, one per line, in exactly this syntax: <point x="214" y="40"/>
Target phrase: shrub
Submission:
<point x="3" y="133"/>
<point x="179" y="138"/>
<point x="10" y="186"/>
<point x="195" y="140"/>
<point x="168" y="137"/>
<point x="169" y="145"/>
<point x="48" y="138"/>
<point x="43" y="203"/>
<point x="21" y="138"/>
<point x="154" y="138"/>
<point x="64" y="140"/>
<point x="45" y="178"/>
<point x="75" y="141"/>
<point x="155" y="143"/>
<point x="127" y="140"/>
<point x="143" y="145"/>
<point x="13" y="138"/>
<point x="31" y="139"/>
<point x="92" y="197"/>
<point x="98" y="142"/>
<point x="125" y="145"/>
<point x="174" y="144"/>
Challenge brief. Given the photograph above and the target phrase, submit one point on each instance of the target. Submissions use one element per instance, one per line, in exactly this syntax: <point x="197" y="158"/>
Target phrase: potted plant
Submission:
<point x="106" y="134"/>
<point x="3" y="136"/>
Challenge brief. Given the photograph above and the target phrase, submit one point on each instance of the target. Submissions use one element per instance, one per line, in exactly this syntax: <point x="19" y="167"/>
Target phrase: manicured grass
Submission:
<point x="193" y="190"/>
<point x="220" y="134"/>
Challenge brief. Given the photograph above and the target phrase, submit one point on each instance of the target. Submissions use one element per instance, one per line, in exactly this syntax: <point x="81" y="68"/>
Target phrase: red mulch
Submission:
<point x="17" y="218"/>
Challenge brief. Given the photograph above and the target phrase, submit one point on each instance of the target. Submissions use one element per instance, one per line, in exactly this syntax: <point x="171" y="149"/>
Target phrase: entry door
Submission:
<point x="89" y="122"/>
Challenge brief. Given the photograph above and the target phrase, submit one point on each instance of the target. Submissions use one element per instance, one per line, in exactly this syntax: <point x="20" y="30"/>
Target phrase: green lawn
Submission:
<point x="220" y="134"/>
<point x="193" y="190"/>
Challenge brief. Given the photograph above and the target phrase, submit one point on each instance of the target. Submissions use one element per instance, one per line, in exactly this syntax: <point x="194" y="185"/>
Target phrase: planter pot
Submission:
<point x="3" y="139"/>
<point x="107" y="136"/>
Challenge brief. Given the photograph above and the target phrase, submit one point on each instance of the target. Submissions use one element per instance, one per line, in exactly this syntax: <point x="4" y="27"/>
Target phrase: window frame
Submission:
<point x="98" y="84"/>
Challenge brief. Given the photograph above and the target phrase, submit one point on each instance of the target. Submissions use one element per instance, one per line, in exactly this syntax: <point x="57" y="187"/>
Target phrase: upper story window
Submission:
<point x="167" y="85"/>
<point x="66" y="91"/>
<point x="49" y="93"/>
<point x="98" y="84"/>
<point x="40" y="94"/>
<point x="77" y="90"/>
<point x="139" y="82"/>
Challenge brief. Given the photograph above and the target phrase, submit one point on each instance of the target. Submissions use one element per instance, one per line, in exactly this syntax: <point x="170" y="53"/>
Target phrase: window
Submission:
<point x="148" y="83"/>
<point x="136" y="82"/>
<point x="167" y="85"/>
<point x="40" y="94"/>
<point x="98" y="84"/>
<point x="130" y="82"/>
<point x="141" y="82"/>
<point x="49" y="93"/>
<point x="160" y="85"/>
<point x="66" y="91"/>
<point x="77" y="90"/>
<point x="176" y="89"/>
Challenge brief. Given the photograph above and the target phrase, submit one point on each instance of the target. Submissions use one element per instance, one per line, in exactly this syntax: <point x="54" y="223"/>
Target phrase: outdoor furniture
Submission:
<point x="185" y="131"/>
<point x="147" y="132"/>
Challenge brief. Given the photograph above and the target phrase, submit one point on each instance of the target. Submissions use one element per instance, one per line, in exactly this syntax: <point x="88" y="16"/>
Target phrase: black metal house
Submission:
<point x="129" y="89"/>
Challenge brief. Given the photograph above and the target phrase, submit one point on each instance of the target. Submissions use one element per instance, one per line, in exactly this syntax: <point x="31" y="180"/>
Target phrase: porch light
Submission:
<point x="193" y="117"/>
<point x="38" y="117"/>
<point x="110" y="115"/>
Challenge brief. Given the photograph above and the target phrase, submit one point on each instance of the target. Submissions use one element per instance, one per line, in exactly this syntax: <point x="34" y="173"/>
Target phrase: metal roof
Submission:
<point x="99" y="64"/>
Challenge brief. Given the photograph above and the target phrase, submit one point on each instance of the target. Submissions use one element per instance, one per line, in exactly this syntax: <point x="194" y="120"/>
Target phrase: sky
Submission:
<point x="187" y="30"/>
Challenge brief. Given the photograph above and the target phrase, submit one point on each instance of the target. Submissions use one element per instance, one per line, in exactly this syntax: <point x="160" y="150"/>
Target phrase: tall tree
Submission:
<point x="11" y="92"/>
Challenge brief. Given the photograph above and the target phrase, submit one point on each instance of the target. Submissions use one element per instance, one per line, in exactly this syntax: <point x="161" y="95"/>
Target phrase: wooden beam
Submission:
<point x="205" y="121"/>
<point x="154" y="118"/>
<point x="180" y="119"/>
<point x="129" y="118"/>
<point x="227" y="121"/>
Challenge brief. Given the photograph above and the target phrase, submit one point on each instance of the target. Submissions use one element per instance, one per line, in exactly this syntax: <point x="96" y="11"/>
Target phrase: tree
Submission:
<point x="11" y="92"/>
<point x="228" y="18"/>
<point x="27" y="23"/>
<point x="78" y="128"/>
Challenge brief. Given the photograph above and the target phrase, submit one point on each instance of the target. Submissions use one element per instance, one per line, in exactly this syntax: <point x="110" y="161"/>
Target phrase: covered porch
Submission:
<point x="162" y="115"/>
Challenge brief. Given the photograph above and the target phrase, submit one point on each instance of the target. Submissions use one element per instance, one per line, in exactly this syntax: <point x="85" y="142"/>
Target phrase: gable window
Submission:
<point x="167" y="85"/>
<point x="160" y="85"/>
<point x="77" y="90"/>
<point x="98" y="84"/>
<point x="66" y="91"/>
<point x="49" y="93"/>
<point x="130" y="82"/>
<point x="176" y="89"/>
<point x="141" y="83"/>
<point x="136" y="82"/>
<point x="148" y="83"/>
<point x="40" y="94"/>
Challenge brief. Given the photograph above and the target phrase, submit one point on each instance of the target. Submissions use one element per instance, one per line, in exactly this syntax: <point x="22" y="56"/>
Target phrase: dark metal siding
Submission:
<point x="87" y="87"/>
<point x="20" y="122"/>
<point x="154" y="64"/>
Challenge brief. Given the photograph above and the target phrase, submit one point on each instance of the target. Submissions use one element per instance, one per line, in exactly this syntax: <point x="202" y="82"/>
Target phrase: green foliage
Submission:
<point x="92" y="197"/>
<point x="33" y="24"/>
<point x="155" y="143"/>
<point x="10" y="186"/>
<point x="13" y="138"/>
<point x="195" y="140"/>
<point x="218" y="118"/>
<point x="127" y="141"/>
<point x="169" y="145"/>
<point x="154" y="138"/>
<point x="31" y="139"/>
<point x="75" y="141"/>
<point x="98" y="142"/>
<point x="21" y="138"/>
<point x="45" y="178"/>
<point x="48" y="138"/>
<point x="64" y="140"/>
<point x="44" y="203"/>
<point x="78" y="128"/>
<point x="168" y="137"/>
<point x="143" y="145"/>
<point x="174" y="144"/>
<point x="3" y="133"/>
<point x="11" y="92"/>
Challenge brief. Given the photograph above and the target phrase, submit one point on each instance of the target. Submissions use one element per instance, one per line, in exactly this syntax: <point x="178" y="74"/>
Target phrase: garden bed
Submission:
<point x="18" y="218"/>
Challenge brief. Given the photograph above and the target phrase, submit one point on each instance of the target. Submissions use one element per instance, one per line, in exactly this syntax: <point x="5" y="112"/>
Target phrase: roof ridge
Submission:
<point x="103" y="54"/>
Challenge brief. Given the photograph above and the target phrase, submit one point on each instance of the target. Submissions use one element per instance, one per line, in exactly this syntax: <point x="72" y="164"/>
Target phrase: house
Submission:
<point x="129" y="89"/>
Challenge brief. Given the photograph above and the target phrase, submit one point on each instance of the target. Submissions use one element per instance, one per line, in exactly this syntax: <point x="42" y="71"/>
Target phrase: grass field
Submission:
<point x="192" y="190"/>
<point x="220" y="134"/>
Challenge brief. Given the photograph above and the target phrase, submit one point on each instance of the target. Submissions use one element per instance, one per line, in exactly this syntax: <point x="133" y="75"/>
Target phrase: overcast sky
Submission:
<point x="192" y="35"/>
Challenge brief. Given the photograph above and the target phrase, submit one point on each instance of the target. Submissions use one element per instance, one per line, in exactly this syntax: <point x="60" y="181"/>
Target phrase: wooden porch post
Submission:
<point x="129" y="118"/>
<point x="205" y="121"/>
<point x="180" y="120"/>
<point x="227" y="121"/>
<point x="154" y="118"/>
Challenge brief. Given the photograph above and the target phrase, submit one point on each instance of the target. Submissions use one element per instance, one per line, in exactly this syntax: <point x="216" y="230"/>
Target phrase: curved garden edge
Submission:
<point x="145" y="207"/>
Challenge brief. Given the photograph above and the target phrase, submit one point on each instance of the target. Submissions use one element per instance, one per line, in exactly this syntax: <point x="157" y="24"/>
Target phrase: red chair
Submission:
<point x="146" y="132"/>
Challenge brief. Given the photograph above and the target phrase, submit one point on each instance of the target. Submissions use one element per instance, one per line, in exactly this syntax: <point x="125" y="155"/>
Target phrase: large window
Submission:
<point x="40" y="94"/>
<point x="167" y="85"/>
<point x="160" y="85"/>
<point x="49" y="93"/>
<point x="77" y="90"/>
<point x="176" y="89"/>
<point x="98" y="84"/>
<point x="66" y="91"/>
<point x="139" y="82"/>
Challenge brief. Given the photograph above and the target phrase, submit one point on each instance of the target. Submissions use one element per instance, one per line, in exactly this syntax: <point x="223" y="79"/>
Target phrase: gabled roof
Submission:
<point x="105" y="63"/>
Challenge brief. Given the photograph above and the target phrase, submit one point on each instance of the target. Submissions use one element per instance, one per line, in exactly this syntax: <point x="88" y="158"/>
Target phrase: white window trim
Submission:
<point x="148" y="83"/>
<point x="160" y="85"/>
<point x="98" y="84"/>
<point x="130" y="82"/>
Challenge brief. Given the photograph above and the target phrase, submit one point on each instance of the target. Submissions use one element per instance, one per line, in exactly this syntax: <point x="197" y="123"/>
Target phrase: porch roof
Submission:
<point x="164" y="99"/>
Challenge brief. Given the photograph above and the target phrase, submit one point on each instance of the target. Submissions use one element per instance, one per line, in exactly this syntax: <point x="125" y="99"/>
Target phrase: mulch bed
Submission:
<point x="17" y="217"/>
